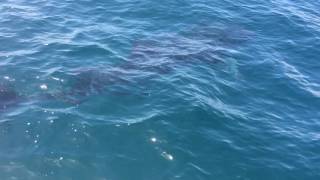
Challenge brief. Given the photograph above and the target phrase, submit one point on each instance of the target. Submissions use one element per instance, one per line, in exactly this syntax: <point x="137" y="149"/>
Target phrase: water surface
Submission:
<point x="161" y="90"/>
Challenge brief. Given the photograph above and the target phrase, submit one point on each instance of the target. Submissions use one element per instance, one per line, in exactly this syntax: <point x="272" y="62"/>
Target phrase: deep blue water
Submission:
<point x="159" y="90"/>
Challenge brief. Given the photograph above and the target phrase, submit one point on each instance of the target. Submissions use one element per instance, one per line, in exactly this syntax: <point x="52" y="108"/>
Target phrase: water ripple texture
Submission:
<point x="162" y="90"/>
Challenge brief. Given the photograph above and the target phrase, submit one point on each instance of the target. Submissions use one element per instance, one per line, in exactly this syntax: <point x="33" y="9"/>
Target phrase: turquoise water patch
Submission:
<point x="161" y="90"/>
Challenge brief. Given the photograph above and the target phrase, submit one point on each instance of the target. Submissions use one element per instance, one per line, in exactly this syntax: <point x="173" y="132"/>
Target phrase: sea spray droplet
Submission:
<point x="43" y="87"/>
<point x="167" y="156"/>
<point x="153" y="139"/>
<point x="57" y="79"/>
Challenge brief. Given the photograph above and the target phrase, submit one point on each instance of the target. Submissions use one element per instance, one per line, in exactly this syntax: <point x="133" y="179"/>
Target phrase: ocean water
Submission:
<point x="159" y="90"/>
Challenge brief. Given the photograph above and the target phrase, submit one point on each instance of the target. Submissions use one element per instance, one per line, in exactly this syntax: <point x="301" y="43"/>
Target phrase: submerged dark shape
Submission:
<point x="208" y="56"/>
<point x="228" y="36"/>
<point x="8" y="97"/>
<point x="88" y="82"/>
<point x="84" y="83"/>
<point x="161" y="54"/>
<point x="154" y="56"/>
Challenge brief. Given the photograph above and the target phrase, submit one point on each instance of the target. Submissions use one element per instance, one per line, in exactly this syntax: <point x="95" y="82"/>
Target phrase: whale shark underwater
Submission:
<point x="155" y="55"/>
<point x="161" y="53"/>
<point x="9" y="97"/>
<point x="86" y="82"/>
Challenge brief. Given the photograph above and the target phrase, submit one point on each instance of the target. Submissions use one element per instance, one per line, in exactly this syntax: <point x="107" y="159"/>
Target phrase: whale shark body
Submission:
<point x="159" y="55"/>
<point x="8" y="97"/>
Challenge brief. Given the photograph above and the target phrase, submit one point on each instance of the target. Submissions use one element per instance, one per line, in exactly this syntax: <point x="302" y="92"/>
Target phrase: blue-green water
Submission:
<point x="159" y="90"/>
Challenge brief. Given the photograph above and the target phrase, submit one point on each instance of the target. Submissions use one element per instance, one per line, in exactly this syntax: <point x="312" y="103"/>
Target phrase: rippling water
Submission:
<point x="140" y="90"/>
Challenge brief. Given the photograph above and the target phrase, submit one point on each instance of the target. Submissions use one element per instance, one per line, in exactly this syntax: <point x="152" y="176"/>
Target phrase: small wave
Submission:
<point x="88" y="50"/>
<point x="305" y="11"/>
<point x="302" y="80"/>
<point x="18" y="53"/>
